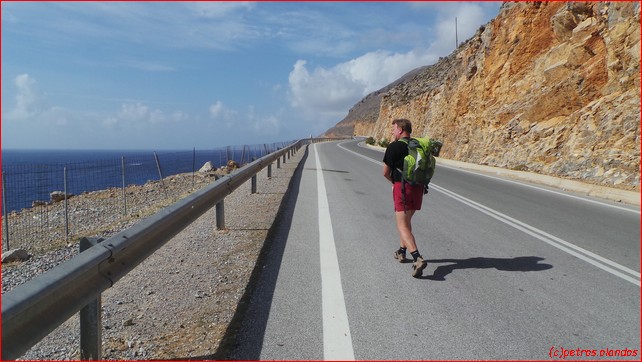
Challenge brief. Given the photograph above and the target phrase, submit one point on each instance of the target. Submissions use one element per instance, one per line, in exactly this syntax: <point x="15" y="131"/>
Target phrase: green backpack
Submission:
<point x="419" y="164"/>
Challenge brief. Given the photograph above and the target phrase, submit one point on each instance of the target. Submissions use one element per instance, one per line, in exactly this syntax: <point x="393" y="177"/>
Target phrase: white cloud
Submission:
<point x="134" y="112"/>
<point x="378" y="69"/>
<point x="29" y="102"/>
<point x="216" y="109"/>
<point x="219" y="112"/>
<point x="140" y="114"/>
<point x="338" y="88"/>
<point x="322" y="89"/>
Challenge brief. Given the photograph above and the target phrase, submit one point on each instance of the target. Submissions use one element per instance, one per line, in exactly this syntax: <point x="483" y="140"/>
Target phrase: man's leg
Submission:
<point x="404" y="226"/>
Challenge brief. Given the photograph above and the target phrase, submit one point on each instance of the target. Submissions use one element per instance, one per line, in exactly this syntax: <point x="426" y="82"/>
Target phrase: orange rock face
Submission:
<point x="551" y="87"/>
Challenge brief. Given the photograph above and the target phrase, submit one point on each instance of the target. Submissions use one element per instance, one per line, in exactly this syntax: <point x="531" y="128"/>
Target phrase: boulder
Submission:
<point x="232" y="165"/>
<point x="15" y="255"/>
<point x="207" y="167"/>
<point x="58" y="196"/>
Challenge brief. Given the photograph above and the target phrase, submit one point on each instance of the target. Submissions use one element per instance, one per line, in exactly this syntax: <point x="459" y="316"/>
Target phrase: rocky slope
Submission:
<point x="550" y="87"/>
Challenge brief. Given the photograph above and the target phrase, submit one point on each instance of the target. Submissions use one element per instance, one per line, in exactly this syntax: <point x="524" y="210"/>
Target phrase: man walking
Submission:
<point x="407" y="198"/>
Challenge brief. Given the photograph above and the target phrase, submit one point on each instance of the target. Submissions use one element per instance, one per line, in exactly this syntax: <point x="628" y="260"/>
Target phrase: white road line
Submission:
<point x="337" y="340"/>
<point x="544" y="189"/>
<point x="590" y="257"/>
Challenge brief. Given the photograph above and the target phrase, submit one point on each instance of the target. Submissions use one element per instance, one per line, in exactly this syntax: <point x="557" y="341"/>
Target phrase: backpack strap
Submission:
<point x="404" y="140"/>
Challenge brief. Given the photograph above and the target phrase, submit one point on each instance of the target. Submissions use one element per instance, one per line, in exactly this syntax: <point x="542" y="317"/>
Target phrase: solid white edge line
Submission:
<point x="561" y="244"/>
<point x="337" y="339"/>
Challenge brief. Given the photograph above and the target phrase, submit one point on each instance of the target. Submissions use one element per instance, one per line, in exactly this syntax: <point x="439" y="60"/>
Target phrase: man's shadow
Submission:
<point x="522" y="263"/>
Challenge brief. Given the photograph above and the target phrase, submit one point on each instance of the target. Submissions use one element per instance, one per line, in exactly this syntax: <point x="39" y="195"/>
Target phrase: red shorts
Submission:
<point x="414" y="197"/>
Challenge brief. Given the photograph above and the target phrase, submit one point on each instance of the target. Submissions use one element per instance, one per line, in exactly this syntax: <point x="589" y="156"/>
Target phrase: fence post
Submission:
<point x="270" y="171"/>
<point x="4" y="212"/>
<point x="124" y="187"/>
<point x="160" y="174"/>
<point x="91" y="318"/>
<point x="194" y="169"/>
<point x="278" y="162"/>
<point x="66" y="206"/>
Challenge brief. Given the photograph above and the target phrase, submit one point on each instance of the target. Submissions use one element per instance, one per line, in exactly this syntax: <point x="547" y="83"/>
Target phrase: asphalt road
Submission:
<point x="515" y="271"/>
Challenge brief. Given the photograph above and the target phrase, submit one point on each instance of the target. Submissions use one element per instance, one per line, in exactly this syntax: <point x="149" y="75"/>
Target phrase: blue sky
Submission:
<point x="177" y="75"/>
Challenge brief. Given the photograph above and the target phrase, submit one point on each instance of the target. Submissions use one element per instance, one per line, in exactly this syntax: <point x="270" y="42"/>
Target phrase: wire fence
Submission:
<point x="47" y="205"/>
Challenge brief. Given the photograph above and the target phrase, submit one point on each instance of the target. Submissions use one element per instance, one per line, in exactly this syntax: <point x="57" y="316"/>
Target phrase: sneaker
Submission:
<point x="400" y="256"/>
<point x="418" y="267"/>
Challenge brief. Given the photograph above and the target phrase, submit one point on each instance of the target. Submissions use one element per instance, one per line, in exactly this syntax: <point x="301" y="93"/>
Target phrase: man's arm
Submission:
<point x="387" y="172"/>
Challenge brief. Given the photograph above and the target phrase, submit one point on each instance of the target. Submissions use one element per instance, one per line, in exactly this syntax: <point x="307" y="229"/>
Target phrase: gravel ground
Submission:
<point x="179" y="303"/>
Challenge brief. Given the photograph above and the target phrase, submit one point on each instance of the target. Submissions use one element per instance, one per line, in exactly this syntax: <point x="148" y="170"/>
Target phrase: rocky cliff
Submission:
<point x="550" y="87"/>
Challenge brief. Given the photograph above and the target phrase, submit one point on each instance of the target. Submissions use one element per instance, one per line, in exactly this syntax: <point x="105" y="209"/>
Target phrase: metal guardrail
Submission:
<point x="33" y="310"/>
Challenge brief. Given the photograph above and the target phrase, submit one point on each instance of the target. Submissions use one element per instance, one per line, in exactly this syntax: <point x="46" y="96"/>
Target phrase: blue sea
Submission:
<point x="30" y="175"/>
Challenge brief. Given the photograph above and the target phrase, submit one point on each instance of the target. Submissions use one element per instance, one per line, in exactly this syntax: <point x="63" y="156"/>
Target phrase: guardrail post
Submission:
<point x="278" y="162"/>
<point x="270" y="171"/>
<point x="283" y="158"/>
<point x="91" y="318"/>
<point x="254" y="184"/>
<point x="220" y="215"/>
<point x="220" y="212"/>
<point x="254" y="180"/>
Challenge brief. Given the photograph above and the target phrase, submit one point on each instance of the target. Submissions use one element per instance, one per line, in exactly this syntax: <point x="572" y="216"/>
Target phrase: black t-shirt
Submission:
<point x="395" y="153"/>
